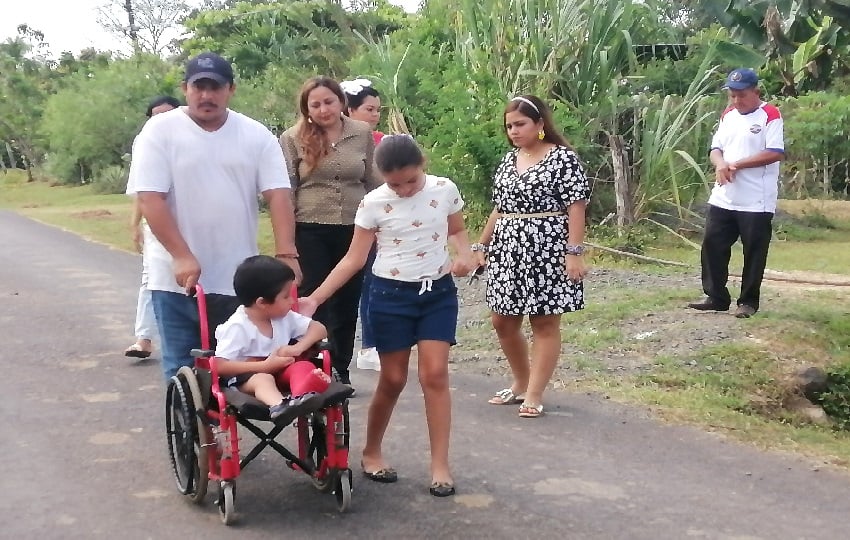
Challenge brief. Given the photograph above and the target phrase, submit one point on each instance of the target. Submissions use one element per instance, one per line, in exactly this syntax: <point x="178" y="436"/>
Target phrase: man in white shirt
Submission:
<point x="745" y="151"/>
<point x="198" y="172"/>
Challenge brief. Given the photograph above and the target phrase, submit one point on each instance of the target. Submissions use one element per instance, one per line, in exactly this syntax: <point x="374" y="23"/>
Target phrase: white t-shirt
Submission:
<point x="740" y="136"/>
<point x="239" y="339"/>
<point x="412" y="232"/>
<point x="212" y="181"/>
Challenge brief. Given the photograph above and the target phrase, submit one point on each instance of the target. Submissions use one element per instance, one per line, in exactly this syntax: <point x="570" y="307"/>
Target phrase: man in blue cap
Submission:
<point x="198" y="171"/>
<point x="746" y="150"/>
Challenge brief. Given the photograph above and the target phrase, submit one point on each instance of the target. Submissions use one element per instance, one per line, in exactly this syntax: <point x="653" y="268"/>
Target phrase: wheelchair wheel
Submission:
<point x="318" y="451"/>
<point x="186" y="439"/>
<point x="343" y="490"/>
<point x="203" y="435"/>
<point x="227" y="502"/>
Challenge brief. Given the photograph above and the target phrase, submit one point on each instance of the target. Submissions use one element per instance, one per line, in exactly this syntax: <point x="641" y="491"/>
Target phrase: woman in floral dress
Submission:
<point x="533" y="240"/>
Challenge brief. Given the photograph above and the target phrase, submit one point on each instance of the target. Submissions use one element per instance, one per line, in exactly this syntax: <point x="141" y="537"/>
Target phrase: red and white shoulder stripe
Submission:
<point x="772" y="112"/>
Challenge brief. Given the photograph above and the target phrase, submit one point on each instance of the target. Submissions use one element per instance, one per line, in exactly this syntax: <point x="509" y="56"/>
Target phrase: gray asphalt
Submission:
<point x="85" y="456"/>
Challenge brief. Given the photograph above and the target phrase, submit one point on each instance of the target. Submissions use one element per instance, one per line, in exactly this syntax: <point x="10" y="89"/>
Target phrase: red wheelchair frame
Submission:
<point x="202" y="419"/>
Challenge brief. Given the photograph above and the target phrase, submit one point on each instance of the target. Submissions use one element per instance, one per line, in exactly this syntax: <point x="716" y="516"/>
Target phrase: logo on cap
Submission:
<point x="206" y="63"/>
<point x="736" y="76"/>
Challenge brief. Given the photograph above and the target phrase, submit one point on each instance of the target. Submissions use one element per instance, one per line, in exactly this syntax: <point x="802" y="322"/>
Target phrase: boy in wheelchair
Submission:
<point x="259" y="346"/>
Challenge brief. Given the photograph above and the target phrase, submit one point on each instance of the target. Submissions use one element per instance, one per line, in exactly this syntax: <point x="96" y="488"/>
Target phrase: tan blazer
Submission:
<point x="331" y="193"/>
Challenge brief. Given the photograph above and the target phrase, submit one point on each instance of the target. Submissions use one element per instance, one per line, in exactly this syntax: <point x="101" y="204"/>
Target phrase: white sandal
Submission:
<point x="527" y="410"/>
<point x="506" y="397"/>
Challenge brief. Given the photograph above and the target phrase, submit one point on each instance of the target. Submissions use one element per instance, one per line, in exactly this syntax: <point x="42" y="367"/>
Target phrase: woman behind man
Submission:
<point x="534" y="242"/>
<point x="329" y="157"/>
<point x="145" y="327"/>
<point x="364" y="104"/>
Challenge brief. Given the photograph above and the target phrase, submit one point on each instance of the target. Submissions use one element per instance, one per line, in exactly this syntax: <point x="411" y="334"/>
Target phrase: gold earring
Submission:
<point x="541" y="135"/>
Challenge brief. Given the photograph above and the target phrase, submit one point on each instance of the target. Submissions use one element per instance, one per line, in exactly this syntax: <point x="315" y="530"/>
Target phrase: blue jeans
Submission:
<point x="179" y="325"/>
<point x="367" y="337"/>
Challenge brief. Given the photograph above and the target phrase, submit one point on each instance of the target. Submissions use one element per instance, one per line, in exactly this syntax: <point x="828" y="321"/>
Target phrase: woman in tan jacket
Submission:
<point x="329" y="157"/>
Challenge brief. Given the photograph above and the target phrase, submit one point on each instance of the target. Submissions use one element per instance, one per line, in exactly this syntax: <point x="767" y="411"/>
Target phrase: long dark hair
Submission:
<point x="311" y="137"/>
<point x="356" y="100"/>
<point x="540" y="111"/>
<point x="396" y="152"/>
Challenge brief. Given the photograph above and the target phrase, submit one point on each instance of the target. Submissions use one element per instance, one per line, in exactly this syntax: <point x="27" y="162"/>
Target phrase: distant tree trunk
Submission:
<point x="623" y="188"/>
<point x="133" y="30"/>
<point x="13" y="163"/>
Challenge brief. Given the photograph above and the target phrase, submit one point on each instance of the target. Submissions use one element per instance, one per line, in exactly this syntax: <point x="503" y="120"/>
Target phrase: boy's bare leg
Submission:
<point x="394" y="367"/>
<point x="263" y="386"/>
<point x="434" y="378"/>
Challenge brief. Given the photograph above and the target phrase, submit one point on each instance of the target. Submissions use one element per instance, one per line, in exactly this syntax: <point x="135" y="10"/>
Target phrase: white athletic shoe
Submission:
<point x="368" y="359"/>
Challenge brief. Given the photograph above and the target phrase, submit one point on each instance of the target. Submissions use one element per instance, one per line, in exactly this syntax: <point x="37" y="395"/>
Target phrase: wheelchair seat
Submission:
<point x="247" y="405"/>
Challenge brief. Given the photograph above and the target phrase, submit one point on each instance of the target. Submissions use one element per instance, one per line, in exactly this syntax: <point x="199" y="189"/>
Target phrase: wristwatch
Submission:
<point x="575" y="249"/>
<point x="478" y="246"/>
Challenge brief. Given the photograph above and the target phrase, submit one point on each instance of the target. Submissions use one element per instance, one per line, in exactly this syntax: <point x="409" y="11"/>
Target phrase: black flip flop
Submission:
<point x="134" y="351"/>
<point x="383" y="476"/>
<point x="442" y="489"/>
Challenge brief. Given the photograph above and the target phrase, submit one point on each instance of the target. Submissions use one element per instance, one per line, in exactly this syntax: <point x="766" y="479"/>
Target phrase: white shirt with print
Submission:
<point x="412" y="232"/>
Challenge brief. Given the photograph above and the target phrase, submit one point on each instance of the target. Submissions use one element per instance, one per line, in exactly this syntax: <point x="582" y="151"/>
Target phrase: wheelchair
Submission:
<point x="202" y="418"/>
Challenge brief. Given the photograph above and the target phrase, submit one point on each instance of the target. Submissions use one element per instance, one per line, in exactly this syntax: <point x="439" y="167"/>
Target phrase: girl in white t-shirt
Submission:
<point x="413" y="217"/>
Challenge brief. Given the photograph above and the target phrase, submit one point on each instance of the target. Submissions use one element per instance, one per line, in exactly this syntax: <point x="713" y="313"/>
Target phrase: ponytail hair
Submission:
<point x="396" y="152"/>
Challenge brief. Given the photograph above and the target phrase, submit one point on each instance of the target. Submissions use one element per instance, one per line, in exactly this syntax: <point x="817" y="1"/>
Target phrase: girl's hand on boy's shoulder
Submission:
<point x="307" y="306"/>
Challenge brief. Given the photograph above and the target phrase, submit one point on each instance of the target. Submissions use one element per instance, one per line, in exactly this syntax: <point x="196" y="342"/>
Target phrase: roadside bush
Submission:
<point x="836" y="400"/>
<point x="817" y="143"/>
<point x="91" y="122"/>
<point x="111" y="180"/>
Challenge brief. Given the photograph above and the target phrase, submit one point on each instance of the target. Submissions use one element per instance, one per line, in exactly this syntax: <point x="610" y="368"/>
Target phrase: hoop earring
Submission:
<point x="541" y="135"/>
<point x="309" y="120"/>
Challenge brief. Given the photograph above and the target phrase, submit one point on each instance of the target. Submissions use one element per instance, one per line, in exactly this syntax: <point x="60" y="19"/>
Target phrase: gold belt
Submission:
<point x="535" y="215"/>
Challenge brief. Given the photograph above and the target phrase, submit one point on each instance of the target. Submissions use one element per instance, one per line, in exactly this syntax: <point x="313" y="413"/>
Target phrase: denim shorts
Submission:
<point x="401" y="316"/>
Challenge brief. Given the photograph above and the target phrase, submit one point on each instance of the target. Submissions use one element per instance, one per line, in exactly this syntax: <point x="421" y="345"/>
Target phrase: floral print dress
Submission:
<point x="527" y="273"/>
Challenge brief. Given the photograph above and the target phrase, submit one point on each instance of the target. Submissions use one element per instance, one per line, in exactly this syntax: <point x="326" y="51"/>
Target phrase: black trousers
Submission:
<point x="320" y="248"/>
<point x="722" y="229"/>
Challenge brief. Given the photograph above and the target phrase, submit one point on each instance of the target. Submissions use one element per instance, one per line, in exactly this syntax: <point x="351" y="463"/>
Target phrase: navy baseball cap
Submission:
<point x="741" y="79"/>
<point x="209" y="65"/>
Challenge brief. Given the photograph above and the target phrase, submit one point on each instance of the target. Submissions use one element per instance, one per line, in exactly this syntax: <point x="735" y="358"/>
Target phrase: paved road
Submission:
<point x="84" y="449"/>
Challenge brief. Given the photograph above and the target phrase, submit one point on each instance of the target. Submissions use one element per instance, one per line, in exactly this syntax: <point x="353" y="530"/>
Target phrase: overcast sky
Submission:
<point x="71" y="25"/>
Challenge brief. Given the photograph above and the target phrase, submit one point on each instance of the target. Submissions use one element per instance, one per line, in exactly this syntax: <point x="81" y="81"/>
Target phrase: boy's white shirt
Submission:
<point x="412" y="232"/>
<point x="238" y="338"/>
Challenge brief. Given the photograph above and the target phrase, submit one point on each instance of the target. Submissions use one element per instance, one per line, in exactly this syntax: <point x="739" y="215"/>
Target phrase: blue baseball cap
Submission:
<point x="741" y="79"/>
<point x="209" y="65"/>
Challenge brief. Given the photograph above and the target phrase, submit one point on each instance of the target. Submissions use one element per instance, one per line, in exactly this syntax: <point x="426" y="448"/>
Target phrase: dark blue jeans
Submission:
<point x="367" y="337"/>
<point x="179" y="325"/>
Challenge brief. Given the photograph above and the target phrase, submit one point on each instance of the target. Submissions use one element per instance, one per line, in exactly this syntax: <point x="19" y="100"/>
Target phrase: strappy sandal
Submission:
<point x="527" y="410"/>
<point x="505" y="397"/>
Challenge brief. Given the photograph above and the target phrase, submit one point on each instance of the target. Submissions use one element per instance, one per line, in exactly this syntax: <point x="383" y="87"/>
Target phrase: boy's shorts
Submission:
<point x="401" y="317"/>
<point x="237" y="380"/>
